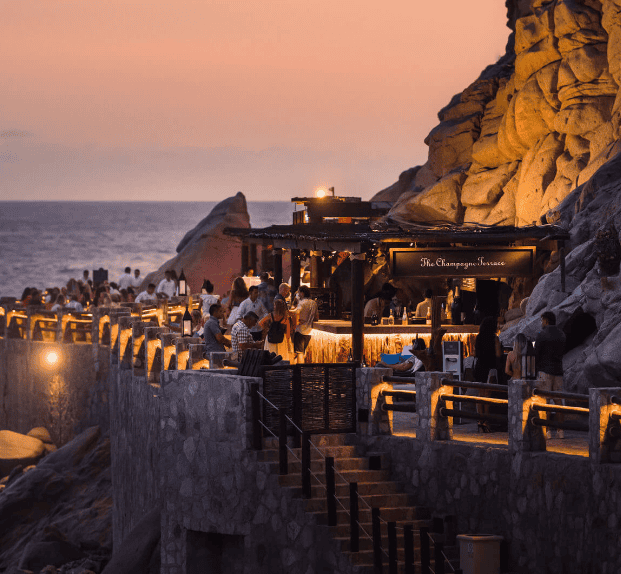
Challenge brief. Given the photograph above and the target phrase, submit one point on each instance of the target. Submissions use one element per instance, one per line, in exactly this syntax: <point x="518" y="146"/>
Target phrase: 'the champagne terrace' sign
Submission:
<point x="463" y="262"/>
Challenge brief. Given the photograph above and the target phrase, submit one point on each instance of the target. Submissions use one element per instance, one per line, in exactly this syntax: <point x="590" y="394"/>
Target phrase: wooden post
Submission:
<point x="330" y="491"/>
<point x="561" y="251"/>
<point x="357" y="306"/>
<point x="424" y="550"/>
<point x="244" y="258"/>
<point x="408" y="548"/>
<point x="354" y="535"/>
<point x="316" y="270"/>
<point x="252" y="257"/>
<point x="392" y="547"/>
<point x="277" y="266"/>
<point x="282" y="442"/>
<point x="438" y="548"/>
<point x="377" y="540"/>
<point x="295" y="270"/>
<point x="306" y="464"/>
<point x="265" y="258"/>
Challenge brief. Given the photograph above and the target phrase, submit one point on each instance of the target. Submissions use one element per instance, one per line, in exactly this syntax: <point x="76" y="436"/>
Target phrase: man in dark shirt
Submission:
<point x="549" y="349"/>
<point x="214" y="339"/>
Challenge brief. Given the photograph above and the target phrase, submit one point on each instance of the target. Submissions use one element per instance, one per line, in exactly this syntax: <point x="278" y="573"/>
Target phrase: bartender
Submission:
<point x="424" y="307"/>
<point x="376" y="306"/>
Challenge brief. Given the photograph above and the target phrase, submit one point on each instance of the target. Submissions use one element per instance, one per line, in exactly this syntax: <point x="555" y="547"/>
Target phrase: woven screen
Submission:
<point x="319" y="397"/>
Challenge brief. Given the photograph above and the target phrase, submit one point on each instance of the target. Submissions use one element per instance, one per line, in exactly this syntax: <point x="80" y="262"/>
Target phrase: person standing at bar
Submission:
<point x="252" y="304"/>
<point x="549" y="349"/>
<point x="377" y="305"/>
<point x="305" y="311"/>
<point x="424" y="307"/>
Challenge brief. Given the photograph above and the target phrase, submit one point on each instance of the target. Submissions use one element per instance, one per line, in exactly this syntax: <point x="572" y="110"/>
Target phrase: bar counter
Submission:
<point x="331" y="339"/>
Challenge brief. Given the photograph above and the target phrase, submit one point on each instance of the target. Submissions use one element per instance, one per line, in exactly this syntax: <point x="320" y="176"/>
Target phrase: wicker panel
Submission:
<point x="277" y="389"/>
<point x="314" y="412"/>
<point x="342" y="399"/>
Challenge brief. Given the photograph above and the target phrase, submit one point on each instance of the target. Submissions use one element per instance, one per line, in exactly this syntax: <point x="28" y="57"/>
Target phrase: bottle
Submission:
<point x="404" y="319"/>
<point x="374" y="319"/>
<point x="186" y="323"/>
<point x="428" y="320"/>
<point x="350" y="357"/>
<point x="391" y="319"/>
<point x="456" y="311"/>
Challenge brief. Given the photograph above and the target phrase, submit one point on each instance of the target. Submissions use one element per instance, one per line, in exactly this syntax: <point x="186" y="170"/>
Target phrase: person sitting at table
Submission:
<point x="424" y="306"/>
<point x="376" y="306"/>
<point x="241" y="337"/>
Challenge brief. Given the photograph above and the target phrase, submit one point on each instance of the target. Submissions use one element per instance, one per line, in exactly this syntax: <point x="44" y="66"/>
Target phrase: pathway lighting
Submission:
<point x="186" y="324"/>
<point x="528" y="363"/>
<point x="183" y="285"/>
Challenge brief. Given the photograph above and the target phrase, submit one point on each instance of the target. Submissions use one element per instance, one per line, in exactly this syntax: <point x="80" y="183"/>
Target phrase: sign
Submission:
<point x="463" y="262"/>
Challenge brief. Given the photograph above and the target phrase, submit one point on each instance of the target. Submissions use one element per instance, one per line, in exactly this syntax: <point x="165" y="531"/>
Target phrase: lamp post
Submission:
<point x="186" y="323"/>
<point x="528" y="362"/>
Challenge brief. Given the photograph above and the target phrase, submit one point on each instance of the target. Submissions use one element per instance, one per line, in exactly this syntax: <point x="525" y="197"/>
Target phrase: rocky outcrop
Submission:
<point x="532" y="128"/>
<point x="57" y="515"/>
<point x="205" y="252"/>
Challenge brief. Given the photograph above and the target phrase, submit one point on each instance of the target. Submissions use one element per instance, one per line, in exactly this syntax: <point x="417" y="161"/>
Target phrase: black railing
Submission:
<point x="380" y="553"/>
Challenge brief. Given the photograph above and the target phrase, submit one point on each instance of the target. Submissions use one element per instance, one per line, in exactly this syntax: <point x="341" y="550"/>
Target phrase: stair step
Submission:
<point x="319" y="464"/>
<point x="342" y="490"/>
<point x="343" y="451"/>
<point x="399" y="513"/>
<point x="359" y="476"/>
<point x="344" y="439"/>
<point x="375" y="501"/>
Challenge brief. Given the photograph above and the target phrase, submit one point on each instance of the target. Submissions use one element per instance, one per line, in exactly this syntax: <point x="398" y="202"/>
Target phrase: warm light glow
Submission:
<point x="320" y="193"/>
<point x="52" y="358"/>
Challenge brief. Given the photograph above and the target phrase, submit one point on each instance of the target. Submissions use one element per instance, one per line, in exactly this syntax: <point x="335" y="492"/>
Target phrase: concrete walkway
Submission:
<point x="575" y="443"/>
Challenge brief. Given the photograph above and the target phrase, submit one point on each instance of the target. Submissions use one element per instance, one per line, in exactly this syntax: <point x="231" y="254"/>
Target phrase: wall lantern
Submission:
<point x="186" y="323"/>
<point x="183" y="285"/>
<point x="528" y="362"/>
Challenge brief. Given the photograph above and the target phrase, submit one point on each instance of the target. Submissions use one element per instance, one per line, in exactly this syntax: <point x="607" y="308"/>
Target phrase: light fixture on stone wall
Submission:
<point x="528" y="362"/>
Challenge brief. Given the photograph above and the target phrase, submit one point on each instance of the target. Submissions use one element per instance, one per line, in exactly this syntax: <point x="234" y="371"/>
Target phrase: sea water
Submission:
<point x="44" y="244"/>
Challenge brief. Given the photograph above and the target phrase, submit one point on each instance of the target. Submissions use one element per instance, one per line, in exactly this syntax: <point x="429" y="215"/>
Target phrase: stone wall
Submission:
<point x="65" y="399"/>
<point x="218" y="493"/>
<point x="135" y="449"/>
<point x="559" y="513"/>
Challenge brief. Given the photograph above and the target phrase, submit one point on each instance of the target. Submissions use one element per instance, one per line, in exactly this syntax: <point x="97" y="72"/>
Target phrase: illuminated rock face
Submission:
<point x="533" y="127"/>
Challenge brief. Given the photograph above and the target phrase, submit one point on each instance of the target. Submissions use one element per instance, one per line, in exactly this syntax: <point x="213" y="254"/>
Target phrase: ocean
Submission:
<point x="45" y="243"/>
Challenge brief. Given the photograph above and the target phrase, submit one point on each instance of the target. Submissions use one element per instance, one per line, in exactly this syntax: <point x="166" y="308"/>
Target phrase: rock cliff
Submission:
<point x="532" y="128"/>
<point x="536" y="138"/>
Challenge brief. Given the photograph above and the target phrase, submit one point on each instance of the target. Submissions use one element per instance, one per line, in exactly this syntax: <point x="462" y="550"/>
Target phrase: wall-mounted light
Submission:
<point x="528" y="362"/>
<point x="186" y="323"/>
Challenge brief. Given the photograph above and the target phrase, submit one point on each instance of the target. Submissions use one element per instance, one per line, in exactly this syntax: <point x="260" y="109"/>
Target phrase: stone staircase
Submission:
<point x="376" y="489"/>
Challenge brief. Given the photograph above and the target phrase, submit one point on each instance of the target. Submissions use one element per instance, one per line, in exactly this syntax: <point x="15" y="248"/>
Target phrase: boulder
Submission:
<point x="135" y="553"/>
<point x="206" y="253"/>
<point x="440" y="202"/>
<point x="484" y="186"/>
<point x="37" y="555"/>
<point x="18" y="450"/>
<point x="405" y="184"/>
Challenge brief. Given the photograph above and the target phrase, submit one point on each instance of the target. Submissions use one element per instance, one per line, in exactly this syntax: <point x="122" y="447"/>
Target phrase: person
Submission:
<point x="167" y="286"/>
<point x="487" y="349"/>
<point x="425" y="305"/>
<point x="241" y="337"/>
<point x="125" y="280"/>
<point x="136" y="280"/>
<point x="215" y="341"/>
<point x="283" y="292"/>
<point x="549" y="349"/>
<point x="377" y="305"/>
<point x="60" y="303"/>
<point x="487" y="354"/>
<point x="411" y="365"/>
<point x="266" y="291"/>
<point x="239" y="292"/>
<point x="149" y="296"/>
<point x="278" y="326"/>
<point x="253" y="304"/>
<point x="305" y="312"/>
<point x="85" y="276"/>
<point x="198" y="323"/>
<point x="208" y="299"/>
<point x="75" y="304"/>
<point x="513" y="365"/>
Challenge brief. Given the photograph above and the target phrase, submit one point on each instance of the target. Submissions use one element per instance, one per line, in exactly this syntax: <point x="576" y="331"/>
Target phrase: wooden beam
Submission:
<point x="357" y="306"/>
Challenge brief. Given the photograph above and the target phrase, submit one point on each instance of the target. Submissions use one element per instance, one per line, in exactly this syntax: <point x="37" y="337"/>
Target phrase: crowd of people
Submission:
<point x="85" y="294"/>
<point x="257" y="317"/>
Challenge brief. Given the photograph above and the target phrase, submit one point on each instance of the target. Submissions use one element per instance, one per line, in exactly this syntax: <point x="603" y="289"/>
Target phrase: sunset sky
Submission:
<point x="198" y="99"/>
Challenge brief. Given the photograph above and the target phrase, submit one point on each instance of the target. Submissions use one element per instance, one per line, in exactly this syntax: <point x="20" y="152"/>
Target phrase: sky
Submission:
<point x="151" y="100"/>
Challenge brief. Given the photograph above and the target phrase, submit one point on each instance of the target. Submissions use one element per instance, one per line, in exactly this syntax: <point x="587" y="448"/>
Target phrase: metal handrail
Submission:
<point x="474" y="385"/>
<point x="561" y="395"/>
<point x="561" y="408"/>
